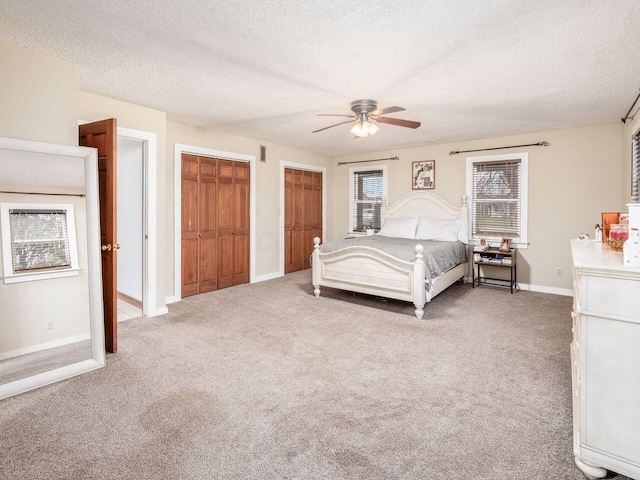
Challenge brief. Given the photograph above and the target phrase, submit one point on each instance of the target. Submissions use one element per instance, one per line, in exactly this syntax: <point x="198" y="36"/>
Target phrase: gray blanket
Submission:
<point x="438" y="256"/>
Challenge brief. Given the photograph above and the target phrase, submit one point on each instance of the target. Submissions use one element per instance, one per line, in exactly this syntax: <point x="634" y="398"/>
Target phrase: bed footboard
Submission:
<point x="370" y="271"/>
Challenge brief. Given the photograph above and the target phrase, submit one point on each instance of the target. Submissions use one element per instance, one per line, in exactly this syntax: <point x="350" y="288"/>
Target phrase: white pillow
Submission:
<point x="399" y="227"/>
<point x="438" y="229"/>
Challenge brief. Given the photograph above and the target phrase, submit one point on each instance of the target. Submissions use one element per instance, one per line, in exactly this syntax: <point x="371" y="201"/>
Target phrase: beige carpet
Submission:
<point x="266" y="381"/>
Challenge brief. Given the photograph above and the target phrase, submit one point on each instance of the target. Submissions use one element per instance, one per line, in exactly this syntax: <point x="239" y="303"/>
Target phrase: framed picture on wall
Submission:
<point x="423" y="175"/>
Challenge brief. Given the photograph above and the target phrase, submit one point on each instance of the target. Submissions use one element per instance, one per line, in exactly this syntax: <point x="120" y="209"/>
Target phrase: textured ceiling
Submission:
<point x="465" y="69"/>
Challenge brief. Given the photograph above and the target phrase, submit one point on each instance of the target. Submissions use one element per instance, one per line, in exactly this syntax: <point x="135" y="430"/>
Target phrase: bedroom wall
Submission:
<point x="267" y="187"/>
<point x="570" y="183"/>
<point x="38" y="96"/>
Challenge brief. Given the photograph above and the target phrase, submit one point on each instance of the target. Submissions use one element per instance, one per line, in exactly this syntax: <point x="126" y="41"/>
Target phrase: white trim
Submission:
<point x="9" y="275"/>
<point x="150" y="308"/>
<point x="385" y="189"/>
<point x="96" y="311"/>
<point x="178" y="150"/>
<point x="158" y="311"/>
<point x="269" y="276"/>
<point x="566" y="292"/>
<point x="309" y="168"/>
<point x="522" y="241"/>
<point x="171" y="299"/>
<point x="45" y="346"/>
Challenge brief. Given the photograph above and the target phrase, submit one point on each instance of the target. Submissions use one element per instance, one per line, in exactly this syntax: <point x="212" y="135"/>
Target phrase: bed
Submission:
<point x="364" y="264"/>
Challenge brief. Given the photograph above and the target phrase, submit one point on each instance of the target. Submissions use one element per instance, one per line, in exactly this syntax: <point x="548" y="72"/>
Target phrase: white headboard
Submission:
<point x="425" y="204"/>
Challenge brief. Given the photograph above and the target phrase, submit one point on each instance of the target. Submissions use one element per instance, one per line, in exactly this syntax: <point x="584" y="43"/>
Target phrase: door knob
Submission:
<point x="106" y="247"/>
<point x="116" y="246"/>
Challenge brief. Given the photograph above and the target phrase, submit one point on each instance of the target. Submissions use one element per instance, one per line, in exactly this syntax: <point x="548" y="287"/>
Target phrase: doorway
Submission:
<point x="130" y="217"/>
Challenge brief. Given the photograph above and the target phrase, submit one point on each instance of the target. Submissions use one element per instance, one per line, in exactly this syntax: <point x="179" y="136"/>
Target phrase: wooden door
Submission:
<point x="226" y="222"/>
<point x="303" y="217"/>
<point x="288" y="220"/>
<point x="190" y="225"/>
<point x="315" y="213"/>
<point x="207" y="269"/>
<point x="233" y="223"/>
<point x="103" y="136"/>
<point x="199" y="269"/>
<point x="241" y="223"/>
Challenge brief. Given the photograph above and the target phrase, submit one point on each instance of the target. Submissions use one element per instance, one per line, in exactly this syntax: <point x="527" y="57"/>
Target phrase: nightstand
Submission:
<point x="493" y="257"/>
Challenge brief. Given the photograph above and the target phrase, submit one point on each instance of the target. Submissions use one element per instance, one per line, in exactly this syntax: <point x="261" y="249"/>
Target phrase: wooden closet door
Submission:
<point x="303" y="217"/>
<point x="226" y="212"/>
<point x="241" y="223"/>
<point x="288" y="220"/>
<point x="233" y="223"/>
<point x="316" y="212"/>
<point x="190" y="225"/>
<point x="208" y="272"/>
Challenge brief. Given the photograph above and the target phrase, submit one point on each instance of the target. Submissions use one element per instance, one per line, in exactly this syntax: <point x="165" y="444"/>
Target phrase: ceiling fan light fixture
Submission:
<point x="364" y="128"/>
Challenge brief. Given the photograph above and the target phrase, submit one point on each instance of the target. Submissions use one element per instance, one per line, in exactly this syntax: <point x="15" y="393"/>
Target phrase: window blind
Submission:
<point x="367" y="199"/>
<point x="496" y="203"/>
<point x="39" y="240"/>
<point x="635" y="170"/>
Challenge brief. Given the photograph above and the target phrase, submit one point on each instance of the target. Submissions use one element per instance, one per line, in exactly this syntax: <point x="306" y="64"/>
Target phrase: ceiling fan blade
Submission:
<point x="384" y="111"/>
<point x="331" y="126"/>
<point x="398" y="122"/>
<point x="335" y="115"/>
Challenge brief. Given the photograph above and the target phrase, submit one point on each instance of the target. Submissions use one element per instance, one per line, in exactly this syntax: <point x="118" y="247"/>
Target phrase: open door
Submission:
<point x="102" y="135"/>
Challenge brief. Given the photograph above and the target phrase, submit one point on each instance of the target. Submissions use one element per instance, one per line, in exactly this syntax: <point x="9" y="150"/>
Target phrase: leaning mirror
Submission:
<point x="51" y="312"/>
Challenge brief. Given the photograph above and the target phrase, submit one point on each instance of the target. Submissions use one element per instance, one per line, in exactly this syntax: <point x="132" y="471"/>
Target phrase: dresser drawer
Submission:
<point x="616" y="297"/>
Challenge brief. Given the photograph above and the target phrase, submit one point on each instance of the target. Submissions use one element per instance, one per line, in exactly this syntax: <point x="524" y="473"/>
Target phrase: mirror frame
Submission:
<point x="96" y="314"/>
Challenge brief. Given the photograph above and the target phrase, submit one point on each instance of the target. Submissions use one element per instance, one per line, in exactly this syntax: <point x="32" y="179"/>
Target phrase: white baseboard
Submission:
<point x="567" y="292"/>
<point x="157" y="311"/>
<point x="269" y="276"/>
<point x="171" y="299"/>
<point x="45" y="346"/>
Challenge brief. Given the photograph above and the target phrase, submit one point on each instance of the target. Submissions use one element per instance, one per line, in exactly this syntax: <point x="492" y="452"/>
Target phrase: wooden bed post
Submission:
<point x="315" y="267"/>
<point x="419" y="292"/>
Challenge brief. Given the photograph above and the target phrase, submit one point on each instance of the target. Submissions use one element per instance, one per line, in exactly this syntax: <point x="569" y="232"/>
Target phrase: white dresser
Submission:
<point x="605" y="358"/>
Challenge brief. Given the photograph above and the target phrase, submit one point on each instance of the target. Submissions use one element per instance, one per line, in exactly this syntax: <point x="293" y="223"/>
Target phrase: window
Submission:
<point x="497" y="187"/>
<point x="38" y="241"/>
<point x="368" y="186"/>
<point x="635" y="170"/>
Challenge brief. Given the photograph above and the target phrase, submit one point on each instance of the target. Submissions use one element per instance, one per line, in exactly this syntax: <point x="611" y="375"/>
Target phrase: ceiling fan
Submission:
<point x="365" y="111"/>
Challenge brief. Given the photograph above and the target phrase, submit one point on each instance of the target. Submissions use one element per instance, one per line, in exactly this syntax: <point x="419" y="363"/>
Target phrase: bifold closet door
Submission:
<point x="233" y="223"/>
<point x="215" y="224"/>
<point x="303" y="217"/>
<point x="198" y="225"/>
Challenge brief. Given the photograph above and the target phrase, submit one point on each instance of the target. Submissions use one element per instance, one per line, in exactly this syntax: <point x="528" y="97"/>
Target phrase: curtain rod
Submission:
<point x="539" y="144"/>
<point x="44" y="193"/>
<point x="365" y="161"/>
<point x="627" y="117"/>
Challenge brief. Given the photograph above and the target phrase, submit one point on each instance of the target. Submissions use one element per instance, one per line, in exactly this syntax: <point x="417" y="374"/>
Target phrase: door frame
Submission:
<point x="150" y="307"/>
<point x="309" y="168"/>
<point x="178" y="150"/>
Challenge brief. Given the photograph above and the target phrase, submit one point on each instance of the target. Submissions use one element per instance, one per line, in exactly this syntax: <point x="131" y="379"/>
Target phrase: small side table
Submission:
<point x="493" y="257"/>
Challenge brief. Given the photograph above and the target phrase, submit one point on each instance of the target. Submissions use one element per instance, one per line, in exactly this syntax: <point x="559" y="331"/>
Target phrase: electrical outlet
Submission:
<point x="559" y="271"/>
<point x="49" y="325"/>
